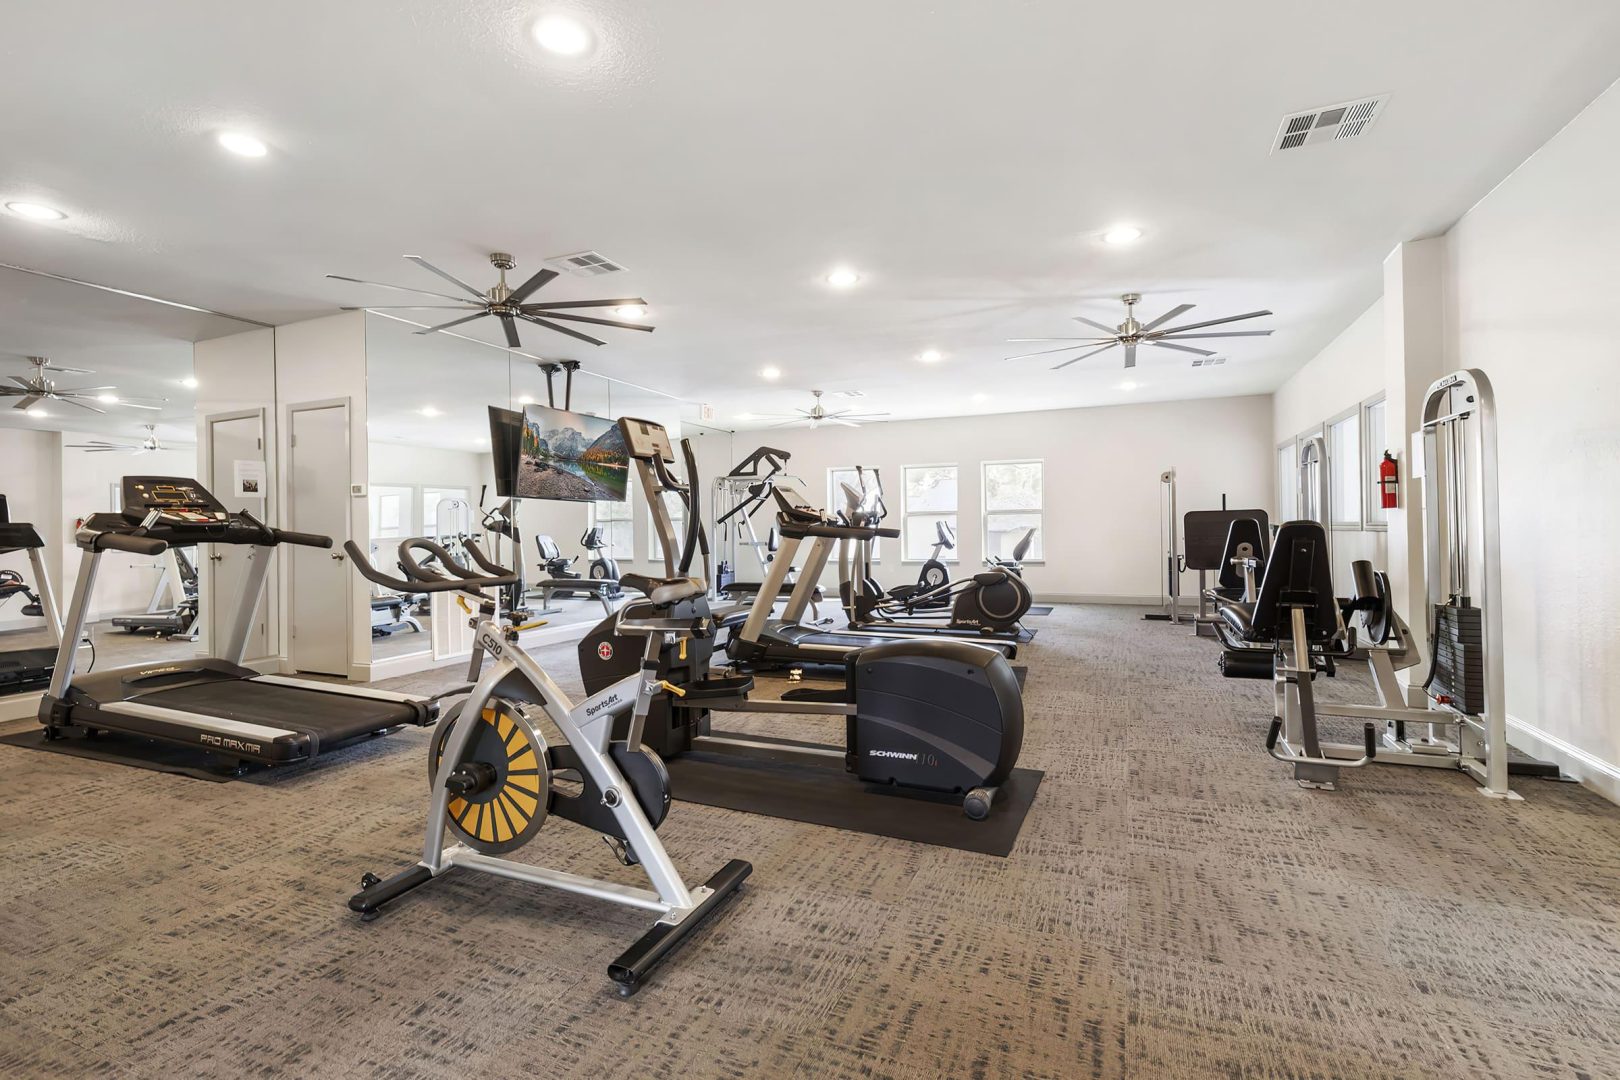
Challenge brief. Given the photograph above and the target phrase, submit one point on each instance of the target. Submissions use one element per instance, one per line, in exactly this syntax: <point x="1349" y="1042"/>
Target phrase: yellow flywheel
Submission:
<point x="502" y="785"/>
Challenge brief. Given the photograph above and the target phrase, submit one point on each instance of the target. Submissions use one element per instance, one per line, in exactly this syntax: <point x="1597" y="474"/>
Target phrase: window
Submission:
<point x="392" y="515"/>
<point x="1014" y="494"/>
<point x="838" y="501"/>
<point x="928" y="495"/>
<point x="618" y="524"/>
<point x="1344" y="469"/>
<point x="1287" y="482"/>
<point x="1375" y="434"/>
<point x="677" y="520"/>
<point x="453" y="523"/>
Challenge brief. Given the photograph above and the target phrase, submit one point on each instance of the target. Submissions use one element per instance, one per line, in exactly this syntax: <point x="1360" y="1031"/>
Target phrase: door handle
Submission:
<point x="337" y="556"/>
<point x="215" y="558"/>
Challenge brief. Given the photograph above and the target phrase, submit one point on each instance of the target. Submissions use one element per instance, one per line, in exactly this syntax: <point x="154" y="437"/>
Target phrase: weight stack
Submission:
<point x="1459" y="658"/>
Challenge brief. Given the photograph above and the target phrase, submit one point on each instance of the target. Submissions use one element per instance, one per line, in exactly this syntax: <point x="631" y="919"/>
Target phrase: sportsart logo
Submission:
<point x="605" y="650"/>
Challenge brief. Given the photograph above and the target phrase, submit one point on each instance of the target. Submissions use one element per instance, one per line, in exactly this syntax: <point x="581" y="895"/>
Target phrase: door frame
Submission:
<point x="206" y="585"/>
<point x="288" y="412"/>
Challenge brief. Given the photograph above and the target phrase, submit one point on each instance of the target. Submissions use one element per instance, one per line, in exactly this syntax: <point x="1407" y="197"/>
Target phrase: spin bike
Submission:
<point x="492" y="774"/>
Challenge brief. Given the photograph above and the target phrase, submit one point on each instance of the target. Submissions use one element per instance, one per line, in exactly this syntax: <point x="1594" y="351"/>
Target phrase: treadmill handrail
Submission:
<point x="135" y="545"/>
<point x="427" y="585"/>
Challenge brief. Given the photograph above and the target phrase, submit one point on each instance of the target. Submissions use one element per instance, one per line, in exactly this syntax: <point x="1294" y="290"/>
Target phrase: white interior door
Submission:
<point x="233" y="439"/>
<point x="318" y="502"/>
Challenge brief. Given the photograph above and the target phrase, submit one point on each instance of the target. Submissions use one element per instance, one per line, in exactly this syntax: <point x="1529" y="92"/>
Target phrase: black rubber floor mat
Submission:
<point x="123" y="750"/>
<point x="836" y="799"/>
<point x="1039" y="609"/>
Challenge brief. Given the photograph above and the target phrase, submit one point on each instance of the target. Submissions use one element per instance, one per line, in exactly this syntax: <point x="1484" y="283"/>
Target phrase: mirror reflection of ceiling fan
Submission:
<point x="504" y="303"/>
<point x="1131" y="333"/>
<point x="818" y="414"/>
<point x="38" y="386"/>
<point x="151" y="442"/>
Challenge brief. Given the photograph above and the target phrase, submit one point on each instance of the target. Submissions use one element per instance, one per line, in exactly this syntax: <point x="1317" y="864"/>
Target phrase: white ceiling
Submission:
<point x="962" y="155"/>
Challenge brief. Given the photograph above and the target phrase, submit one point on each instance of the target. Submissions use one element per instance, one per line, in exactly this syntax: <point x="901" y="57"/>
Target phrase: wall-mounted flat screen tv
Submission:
<point x="571" y="457"/>
<point x="505" y="436"/>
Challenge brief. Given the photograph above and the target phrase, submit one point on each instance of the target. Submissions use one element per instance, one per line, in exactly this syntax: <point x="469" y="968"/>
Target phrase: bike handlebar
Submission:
<point x="430" y="582"/>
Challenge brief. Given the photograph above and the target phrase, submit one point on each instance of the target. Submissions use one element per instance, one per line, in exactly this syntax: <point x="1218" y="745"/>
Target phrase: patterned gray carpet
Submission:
<point x="1176" y="907"/>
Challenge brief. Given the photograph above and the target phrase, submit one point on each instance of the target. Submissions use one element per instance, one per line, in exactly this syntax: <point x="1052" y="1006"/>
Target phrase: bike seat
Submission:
<point x="664" y="592"/>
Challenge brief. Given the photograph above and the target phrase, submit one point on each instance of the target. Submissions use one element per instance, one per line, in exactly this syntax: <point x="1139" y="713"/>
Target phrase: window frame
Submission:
<point x="1291" y="448"/>
<point x="985" y="513"/>
<point x="954" y="556"/>
<point x="677" y="521"/>
<point x="594" y="519"/>
<point x="1351" y="414"/>
<point x="1371" y="457"/>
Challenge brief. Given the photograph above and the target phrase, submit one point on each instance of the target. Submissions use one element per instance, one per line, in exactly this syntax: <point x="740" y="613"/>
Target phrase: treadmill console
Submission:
<point x="170" y="500"/>
<point x="646" y="439"/>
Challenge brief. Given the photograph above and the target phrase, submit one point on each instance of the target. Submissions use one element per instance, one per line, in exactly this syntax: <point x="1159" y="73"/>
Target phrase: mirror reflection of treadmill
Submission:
<point x="212" y="705"/>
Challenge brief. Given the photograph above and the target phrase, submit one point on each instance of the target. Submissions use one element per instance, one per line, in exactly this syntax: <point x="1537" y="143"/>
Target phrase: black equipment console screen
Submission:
<point x="177" y="500"/>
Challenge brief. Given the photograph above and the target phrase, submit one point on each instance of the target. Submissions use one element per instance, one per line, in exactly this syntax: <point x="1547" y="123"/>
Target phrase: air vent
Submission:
<point x="584" y="264"/>
<point x="1330" y="123"/>
<point x="1208" y="361"/>
<point x="848" y="393"/>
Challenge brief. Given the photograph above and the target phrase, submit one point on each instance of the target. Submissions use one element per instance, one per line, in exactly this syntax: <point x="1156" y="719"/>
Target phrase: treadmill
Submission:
<point x="763" y="642"/>
<point x="210" y="704"/>
<point x="25" y="670"/>
<point x="179" y="622"/>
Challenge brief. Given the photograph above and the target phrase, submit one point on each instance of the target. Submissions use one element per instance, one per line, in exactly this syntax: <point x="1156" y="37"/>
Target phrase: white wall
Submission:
<point x="1348" y="371"/>
<point x="1101" y="527"/>
<point x="1532" y="272"/>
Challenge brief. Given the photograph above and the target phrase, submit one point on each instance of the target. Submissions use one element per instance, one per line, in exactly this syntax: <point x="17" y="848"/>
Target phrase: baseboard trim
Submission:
<point x="1600" y="776"/>
<point x="1111" y="598"/>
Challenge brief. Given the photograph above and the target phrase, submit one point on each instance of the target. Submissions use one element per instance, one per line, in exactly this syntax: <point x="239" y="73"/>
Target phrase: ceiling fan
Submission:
<point x="1131" y="333"/>
<point x="38" y="386"/>
<point x="503" y="302"/>
<point x="817" y="415"/>
<point x="102" y="446"/>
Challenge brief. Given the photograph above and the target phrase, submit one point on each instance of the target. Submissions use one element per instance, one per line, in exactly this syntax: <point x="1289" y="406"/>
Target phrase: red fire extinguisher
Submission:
<point x="1389" y="481"/>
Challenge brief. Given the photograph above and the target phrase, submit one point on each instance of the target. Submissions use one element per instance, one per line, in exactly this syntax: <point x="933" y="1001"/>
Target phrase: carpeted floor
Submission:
<point x="1175" y="907"/>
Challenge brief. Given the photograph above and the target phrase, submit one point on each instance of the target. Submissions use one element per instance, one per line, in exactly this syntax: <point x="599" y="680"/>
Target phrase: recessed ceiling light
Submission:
<point x="980" y="397"/>
<point x="630" y="311"/>
<point x="842" y="278"/>
<point x="1127" y="385"/>
<point x="1122" y="234"/>
<point x="428" y="410"/>
<point x="562" y="35"/>
<point x="107" y="399"/>
<point x="931" y="356"/>
<point x="745" y="416"/>
<point x="189" y="383"/>
<point x="525" y="400"/>
<point x="37" y="412"/>
<point x="770" y="373"/>
<point x="245" y="145"/>
<point x="35" y="211"/>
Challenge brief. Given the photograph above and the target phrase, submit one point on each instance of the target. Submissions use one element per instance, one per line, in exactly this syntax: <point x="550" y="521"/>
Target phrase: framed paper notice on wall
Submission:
<point x="250" y="479"/>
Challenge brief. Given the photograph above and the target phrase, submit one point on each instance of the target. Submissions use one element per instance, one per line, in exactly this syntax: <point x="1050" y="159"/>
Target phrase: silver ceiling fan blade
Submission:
<point x="452" y="322"/>
<point x="1082" y="356"/>
<point x="1214" y="322"/>
<point x="396" y="288"/>
<point x="20" y="381"/>
<point x="85" y="389"/>
<point x="538" y="321"/>
<point x="412" y="307"/>
<point x="509" y="326"/>
<point x="83" y="405"/>
<point x="1229" y="333"/>
<point x="839" y="421"/>
<point x="598" y="322"/>
<point x="451" y="278"/>
<point x="785" y="423"/>
<point x="1161" y="343"/>
<point x="629" y="301"/>
<point x="1174" y="313"/>
<point x="540" y="279"/>
<point x="1110" y="337"/>
<point x="1111" y="331"/>
<point x="1064" y="348"/>
<point x="28" y="402"/>
<point x="1130" y="355"/>
<point x="69" y="370"/>
<point x="137" y="405"/>
<point x="847" y="415"/>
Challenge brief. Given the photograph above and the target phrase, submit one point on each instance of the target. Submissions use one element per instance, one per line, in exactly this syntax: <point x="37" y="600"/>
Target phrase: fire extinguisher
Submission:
<point x="1389" y="482"/>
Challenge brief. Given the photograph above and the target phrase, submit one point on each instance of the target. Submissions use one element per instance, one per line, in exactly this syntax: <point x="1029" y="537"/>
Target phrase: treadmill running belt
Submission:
<point x="334" y="717"/>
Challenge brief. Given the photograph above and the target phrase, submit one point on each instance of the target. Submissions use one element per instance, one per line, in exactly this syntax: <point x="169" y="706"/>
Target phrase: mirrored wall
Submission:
<point x="432" y="473"/>
<point x="118" y="398"/>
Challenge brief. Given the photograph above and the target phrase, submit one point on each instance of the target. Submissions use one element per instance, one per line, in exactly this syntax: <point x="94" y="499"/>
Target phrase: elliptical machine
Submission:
<point x="934" y="576"/>
<point x="931" y="716"/>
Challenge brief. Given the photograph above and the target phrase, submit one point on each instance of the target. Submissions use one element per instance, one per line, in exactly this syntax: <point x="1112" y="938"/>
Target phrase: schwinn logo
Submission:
<point x="899" y="754"/>
<point x="607" y="702"/>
